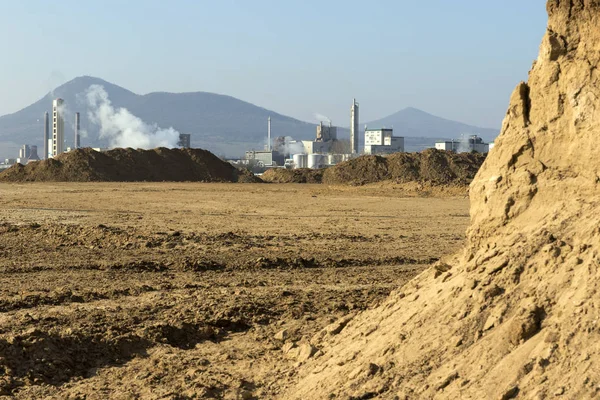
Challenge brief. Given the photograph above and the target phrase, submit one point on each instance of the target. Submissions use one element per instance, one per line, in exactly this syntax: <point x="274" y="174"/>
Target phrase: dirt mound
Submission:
<point x="302" y="175"/>
<point x="515" y="315"/>
<point x="129" y="165"/>
<point x="431" y="165"/>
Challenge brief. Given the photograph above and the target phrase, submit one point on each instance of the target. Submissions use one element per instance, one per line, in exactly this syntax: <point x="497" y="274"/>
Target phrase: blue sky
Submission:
<point x="457" y="59"/>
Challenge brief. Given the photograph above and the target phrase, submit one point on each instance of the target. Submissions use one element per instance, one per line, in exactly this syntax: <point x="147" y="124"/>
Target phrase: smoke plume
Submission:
<point x="322" y="118"/>
<point x="123" y="129"/>
<point x="292" y="147"/>
<point x="463" y="146"/>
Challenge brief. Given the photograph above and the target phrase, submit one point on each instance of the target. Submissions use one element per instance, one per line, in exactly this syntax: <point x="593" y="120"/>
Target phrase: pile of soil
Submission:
<point x="431" y="165"/>
<point x="301" y="175"/>
<point x="515" y="314"/>
<point x="129" y="165"/>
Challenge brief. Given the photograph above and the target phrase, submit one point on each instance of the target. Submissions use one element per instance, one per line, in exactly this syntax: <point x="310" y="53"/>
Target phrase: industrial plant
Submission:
<point x="473" y="143"/>
<point x="326" y="149"/>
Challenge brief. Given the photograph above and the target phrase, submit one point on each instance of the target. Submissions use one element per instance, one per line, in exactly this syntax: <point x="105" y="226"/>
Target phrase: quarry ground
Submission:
<point x="184" y="290"/>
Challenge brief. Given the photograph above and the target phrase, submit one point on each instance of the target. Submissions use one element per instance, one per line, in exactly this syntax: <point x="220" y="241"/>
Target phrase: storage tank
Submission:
<point x="299" y="160"/>
<point x="331" y="159"/>
<point x="335" y="159"/>
<point x="315" y="161"/>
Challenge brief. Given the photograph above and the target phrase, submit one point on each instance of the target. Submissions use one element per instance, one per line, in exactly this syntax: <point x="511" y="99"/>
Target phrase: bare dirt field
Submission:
<point x="184" y="290"/>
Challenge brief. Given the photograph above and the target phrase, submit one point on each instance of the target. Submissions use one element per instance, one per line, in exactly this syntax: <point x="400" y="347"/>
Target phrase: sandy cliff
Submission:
<point x="516" y="314"/>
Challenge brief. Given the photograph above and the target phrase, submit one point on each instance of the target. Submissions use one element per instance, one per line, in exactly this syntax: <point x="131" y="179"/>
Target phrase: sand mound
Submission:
<point x="302" y="175"/>
<point x="516" y="314"/>
<point x="431" y="165"/>
<point x="129" y="165"/>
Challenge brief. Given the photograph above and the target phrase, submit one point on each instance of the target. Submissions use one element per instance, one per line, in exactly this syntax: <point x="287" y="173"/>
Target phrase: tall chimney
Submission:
<point x="354" y="127"/>
<point x="269" y="135"/>
<point x="46" y="135"/>
<point x="77" y="126"/>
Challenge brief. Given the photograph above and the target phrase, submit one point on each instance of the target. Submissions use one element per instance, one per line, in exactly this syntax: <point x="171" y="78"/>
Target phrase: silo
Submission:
<point x="299" y="160"/>
<point x="315" y="161"/>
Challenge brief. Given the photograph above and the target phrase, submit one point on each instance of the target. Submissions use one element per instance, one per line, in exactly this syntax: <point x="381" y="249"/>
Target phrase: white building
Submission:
<point x="473" y="143"/>
<point x="382" y="141"/>
<point x="58" y="128"/>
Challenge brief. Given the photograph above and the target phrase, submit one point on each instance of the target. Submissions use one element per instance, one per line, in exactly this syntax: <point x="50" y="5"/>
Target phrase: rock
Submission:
<point x="525" y="326"/>
<point x="510" y="393"/>
<point x="336" y="327"/>
<point x="560" y="391"/>
<point x="286" y="348"/>
<point x="282" y="335"/>
<point x="440" y="268"/>
<point x="305" y="352"/>
<point x="373" y="369"/>
<point x="447" y="381"/>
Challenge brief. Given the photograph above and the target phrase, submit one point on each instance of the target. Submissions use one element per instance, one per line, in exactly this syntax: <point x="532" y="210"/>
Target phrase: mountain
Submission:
<point x="222" y="124"/>
<point x="219" y="123"/>
<point x="412" y="122"/>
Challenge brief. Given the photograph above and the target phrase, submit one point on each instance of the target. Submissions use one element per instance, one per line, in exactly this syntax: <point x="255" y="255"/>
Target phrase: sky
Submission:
<point x="457" y="59"/>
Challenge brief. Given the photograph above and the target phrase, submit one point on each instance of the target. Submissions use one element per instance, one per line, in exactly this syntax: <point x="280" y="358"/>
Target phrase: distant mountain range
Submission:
<point x="222" y="124"/>
<point x="412" y="122"/>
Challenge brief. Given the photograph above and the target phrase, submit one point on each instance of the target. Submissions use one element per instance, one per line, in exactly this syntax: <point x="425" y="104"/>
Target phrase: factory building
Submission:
<point x="33" y="154"/>
<point x="326" y="135"/>
<point x="382" y="141"/>
<point x="58" y="128"/>
<point x="311" y="147"/>
<point x="473" y="143"/>
<point x="265" y="158"/>
<point x="25" y="152"/>
<point x="354" y="127"/>
<point x="185" y="140"/>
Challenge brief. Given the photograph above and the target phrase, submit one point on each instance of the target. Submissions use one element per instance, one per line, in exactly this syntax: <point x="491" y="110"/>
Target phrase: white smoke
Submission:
<point x="292" y="146"/>
<point x="322" y="118"/>
<point x="122" y="128"/>
<point x="463" y="144"/>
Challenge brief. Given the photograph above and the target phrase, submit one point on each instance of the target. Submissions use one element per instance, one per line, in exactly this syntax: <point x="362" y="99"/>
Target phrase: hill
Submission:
<point x="129" y="165"/>
<point x="219" y="123"/>
<point x="412" y="122"/>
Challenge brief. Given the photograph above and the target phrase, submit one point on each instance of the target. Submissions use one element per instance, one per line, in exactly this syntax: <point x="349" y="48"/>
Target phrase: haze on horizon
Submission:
<point x="459" y="60"/>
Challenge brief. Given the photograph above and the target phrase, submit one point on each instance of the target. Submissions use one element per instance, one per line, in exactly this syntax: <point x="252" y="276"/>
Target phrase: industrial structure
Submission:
<point x="465" y="145"/>
<point x="33" y="154"/>
<point x="77" y="127"/>
<point x="382" y="141"/>
<point x="267" y="157"/>
<point x="24" y="152"/>
<point x="268" y="148"/>
<point x="354" y="127"/>
<point x="46" y="135"/>
<point x="185" y="140"/>
<point x="27" y="154"/>
<point x="326" y="135"/>
<point x="58" y="128"/>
